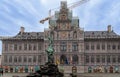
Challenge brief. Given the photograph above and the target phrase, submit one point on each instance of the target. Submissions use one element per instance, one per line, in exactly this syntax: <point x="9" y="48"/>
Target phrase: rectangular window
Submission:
<point x="119" y="59"/>
<point x="5" y="58"/>
<point x="118" y="47"/>
<point x="63" y="46"/>
<point x="25" y="46"/>
<point x="108" y="47"/>
<point x="20" y="47"/>
<point x="39" y="46"/>
<point x="39" y="58"/>
<point x="10" y="47"/>
<point x="103" y="59"/>
<point x="10" y="59"/>
<point x="87" y="59"/>
<point x="103" y="46"/>
<point x="25" y="59"/>
<point x="35" y="47"/>
<point x="15" y="47"/>
<point x="92" y="47"/>
<point x="108" y="58"/>
<point x="114" y="47"/>
<point x="98" y="47"/>
<point x="34" y="58"/>
<point x="6" y="47"/>
<point x="98" y="58"/>
<point x="114" y="59"/>
<point x="92" y="59"/>
<point x="75" y="47"/>
<point x="29" y="60"/>
<point x="87" y="47"/>
<point x="30" y="47"/>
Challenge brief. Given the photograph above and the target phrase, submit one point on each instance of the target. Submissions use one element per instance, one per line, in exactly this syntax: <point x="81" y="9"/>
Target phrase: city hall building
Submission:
<point x="89" y="51"/>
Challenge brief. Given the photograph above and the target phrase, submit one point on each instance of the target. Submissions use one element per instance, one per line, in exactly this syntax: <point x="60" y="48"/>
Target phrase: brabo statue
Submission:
<point x="50" y="50"/>
<point x="49" y="69"/>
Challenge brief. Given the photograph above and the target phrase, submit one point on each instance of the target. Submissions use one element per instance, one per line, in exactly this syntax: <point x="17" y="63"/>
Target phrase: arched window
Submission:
<point x="63" y="59"/>
<point x="75" y="59"/>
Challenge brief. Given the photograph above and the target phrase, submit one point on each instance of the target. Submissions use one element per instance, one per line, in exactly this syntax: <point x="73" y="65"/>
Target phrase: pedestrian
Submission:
<point x="2" y="72"/>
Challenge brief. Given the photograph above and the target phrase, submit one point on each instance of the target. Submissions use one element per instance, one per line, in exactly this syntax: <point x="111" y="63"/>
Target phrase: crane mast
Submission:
<point x="73" y="5"/>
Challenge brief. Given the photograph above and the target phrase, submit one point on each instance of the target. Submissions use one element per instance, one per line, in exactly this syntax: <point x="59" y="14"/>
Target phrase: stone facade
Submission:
<point x="89" y="51"/>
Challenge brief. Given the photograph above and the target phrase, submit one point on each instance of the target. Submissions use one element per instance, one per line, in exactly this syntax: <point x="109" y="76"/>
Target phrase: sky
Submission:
<point x="94" y="15"/>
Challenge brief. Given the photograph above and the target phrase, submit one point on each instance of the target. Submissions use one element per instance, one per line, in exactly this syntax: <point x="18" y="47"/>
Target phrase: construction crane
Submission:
<point x="70" y="6"/>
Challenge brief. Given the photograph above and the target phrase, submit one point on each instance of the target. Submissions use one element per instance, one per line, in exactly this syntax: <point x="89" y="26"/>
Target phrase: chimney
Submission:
<point x="109" y="28"/>
<point x="22" y="30"/>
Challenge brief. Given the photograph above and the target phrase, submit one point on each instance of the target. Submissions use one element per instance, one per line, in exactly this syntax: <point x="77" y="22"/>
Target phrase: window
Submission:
<point x="5" y="58"/>
<point x="30" y="47"/>
<point x="114" y="59"/>
<point x="98" y="58"/>
<point x="10" y="59"/>
<point x="15" y="47"/>
<point x="63" y="46"/>
<point x="92" y="47"/>
<point x="103" y="58"/>
<point x="118" y="58"/>
<point x="20" y="47"/>
<point x="34" y="58"/>
<point x="15" y="59"/>
<point x="19" y="59"/>
<point x="103" y="46"/>
<point x="87" y="59"/>
<point x="29" y="60"/>
<point x="39" y="58"/>
<point x="98" y="47"/>
<point x="92" y="59"/>
<point x="25" y="46"/>
<point x="114" y="47"/>
<point x="35" y="47"/>
<point x="25" y="59"/>
<point x="75" y="47"/>
<point x="87" y="47"/>
<point x="6" y="47"/>
<point x="75" y="34"/>
<point x="108" y="58"/>
<point x="108" y="47"/>
<point x="10" y="47"/>
<point x="118" y="47"/>
<point x="39" y="46"/>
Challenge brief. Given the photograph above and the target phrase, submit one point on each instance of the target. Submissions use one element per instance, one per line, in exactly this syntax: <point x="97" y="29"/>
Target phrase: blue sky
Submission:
<point x="94" y="15"/>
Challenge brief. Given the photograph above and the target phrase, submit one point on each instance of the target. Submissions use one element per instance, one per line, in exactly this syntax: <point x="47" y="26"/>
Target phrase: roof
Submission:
<point x="100" y="34"/>
<point x="27" y="35"/>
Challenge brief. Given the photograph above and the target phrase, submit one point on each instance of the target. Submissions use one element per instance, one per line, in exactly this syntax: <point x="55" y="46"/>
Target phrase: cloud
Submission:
<point x="93" y="15"/>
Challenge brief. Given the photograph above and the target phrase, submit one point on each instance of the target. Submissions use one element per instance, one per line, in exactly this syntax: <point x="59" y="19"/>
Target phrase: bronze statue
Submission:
<point x="50" y="50"/>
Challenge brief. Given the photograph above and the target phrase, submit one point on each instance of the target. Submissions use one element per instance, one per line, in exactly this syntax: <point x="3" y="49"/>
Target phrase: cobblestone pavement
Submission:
<point x="66" y="75"/>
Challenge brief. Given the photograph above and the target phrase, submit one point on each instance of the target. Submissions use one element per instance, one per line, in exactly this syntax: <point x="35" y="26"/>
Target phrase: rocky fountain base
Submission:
<point x="49" y="69"/>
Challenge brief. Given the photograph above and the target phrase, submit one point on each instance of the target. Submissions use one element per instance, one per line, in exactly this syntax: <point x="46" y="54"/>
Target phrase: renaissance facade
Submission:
<point x="89" y="51"/>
